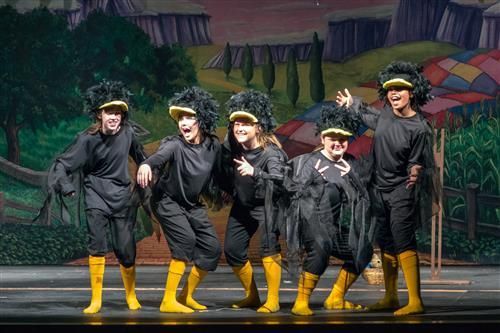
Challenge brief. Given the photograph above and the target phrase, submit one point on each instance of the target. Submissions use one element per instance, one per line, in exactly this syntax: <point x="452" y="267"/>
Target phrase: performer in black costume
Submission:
<point x="329" y="212"/>
<point x="403" y="175"/>
<point x="188" y="163"/>
<point x="100" y="157"/>
<point x="255" y="161"/>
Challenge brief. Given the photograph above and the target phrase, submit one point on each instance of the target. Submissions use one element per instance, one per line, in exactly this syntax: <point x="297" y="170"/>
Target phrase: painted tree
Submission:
<point x="316" y="84"/>
<point x="247" y="65"/>
<point x="292" y="78"/>
<point x="111" y="47"/>
<point x="174" y="70"/>
<point x="227" y="63"/>
<point x="38" y="76"/>
<point x="268" y="72"/>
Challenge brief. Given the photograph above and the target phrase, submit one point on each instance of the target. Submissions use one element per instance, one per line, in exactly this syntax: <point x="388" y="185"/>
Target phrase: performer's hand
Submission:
<point x="344" y="99"/>
<point x="343" y="166"/>
<point x="320" y="170"/>
<point x="245" y="168"/>
<point x="144" y="175"/>
<point x="413" y="177"/>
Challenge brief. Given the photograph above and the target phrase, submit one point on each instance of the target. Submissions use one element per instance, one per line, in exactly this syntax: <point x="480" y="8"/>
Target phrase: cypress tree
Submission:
<point x="316" y="85"/>
<point x="292" y="77"/>
<point x="268" y="74"/>
<point x="247" y="65"/>
<point x="227" y="63"/>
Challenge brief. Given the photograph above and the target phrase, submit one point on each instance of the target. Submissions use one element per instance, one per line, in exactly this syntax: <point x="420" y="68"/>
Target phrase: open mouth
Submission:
<point x="186" y="130"/>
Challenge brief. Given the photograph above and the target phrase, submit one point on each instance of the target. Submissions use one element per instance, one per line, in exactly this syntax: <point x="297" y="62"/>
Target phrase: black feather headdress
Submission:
<point x="337" y="119"/>
<point x="254" y="103"/>
<point x="201" y="102"/>
<point x="411" y="73"/>
<point x="104" y="94"/>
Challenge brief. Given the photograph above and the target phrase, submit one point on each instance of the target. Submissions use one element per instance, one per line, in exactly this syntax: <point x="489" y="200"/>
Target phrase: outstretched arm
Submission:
<point x="369" y="115"/>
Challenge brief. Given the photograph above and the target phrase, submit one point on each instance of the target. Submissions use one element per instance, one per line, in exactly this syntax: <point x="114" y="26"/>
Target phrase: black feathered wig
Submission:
<point x="104" y="94"/>
<point x="405" y="72"/>
<point x="199" y="101"/>
<point x="337" y="119"/>
<point x="252" y="103"/>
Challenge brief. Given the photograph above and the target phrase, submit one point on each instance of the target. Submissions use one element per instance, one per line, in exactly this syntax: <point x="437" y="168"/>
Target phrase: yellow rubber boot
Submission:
<point x="411" y="270"/>
<point x="335" y="300"/>
<point x="169" y="302"/>
<point x="245" y="275"/>
<point x="96" y="270"/>
<point x="128" y="277"/>
<point x="186" y="296"/>
<point x="272" y="269"/>
<point x="390" y="300"/>
<point x="307" y="283"/>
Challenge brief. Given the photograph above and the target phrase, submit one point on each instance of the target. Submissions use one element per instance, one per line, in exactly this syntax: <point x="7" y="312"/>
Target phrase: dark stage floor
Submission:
<point x="51" y="299"/>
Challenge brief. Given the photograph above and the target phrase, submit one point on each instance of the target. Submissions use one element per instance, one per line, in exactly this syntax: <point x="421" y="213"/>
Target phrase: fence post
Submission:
<point x="471" y="204"/>
<point x="1" y="207"/>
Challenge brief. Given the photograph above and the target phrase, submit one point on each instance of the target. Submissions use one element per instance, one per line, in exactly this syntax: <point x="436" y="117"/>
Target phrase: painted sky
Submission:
<point x="250" y="20"/>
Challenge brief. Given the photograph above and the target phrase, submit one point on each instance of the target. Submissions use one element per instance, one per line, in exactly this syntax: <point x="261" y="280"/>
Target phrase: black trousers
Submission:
<point x="122" y="235"/>
<point x="190" y="234"/>
<point x="396" y="223"/>
<point x="319" y="247"/>
<point x="242" y="224"/>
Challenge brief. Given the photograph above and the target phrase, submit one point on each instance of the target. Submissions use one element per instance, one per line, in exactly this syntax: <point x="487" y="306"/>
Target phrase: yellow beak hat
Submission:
<point x="398" y="80"/>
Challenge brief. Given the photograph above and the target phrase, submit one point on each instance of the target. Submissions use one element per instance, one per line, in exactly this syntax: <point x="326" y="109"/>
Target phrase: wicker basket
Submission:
<point x="373" y="275"/>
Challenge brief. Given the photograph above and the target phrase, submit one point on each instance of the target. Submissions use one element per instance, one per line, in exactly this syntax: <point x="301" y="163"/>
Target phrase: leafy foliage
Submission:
<point x="471" y="156"/>
<point x="456" y="246"/>
<point x="32" y="244"/>
<point x="38" y="84"/>
<point x="174" y="70"/>
<point x="110" y="47"/>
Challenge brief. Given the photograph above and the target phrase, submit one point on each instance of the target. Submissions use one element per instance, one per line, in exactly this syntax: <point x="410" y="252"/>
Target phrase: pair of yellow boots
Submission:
<point x="185" y="303"/>
<point x="96" y="269"/>
<point x="410" y="266"/>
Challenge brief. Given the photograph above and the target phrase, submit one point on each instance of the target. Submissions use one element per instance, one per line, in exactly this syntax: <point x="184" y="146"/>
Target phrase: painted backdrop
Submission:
<point x="301" y="52"/>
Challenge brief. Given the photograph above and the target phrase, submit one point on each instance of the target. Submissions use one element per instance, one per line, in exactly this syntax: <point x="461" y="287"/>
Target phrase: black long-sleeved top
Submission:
<point x="268" y="163"/>
<point x="399" y="143"/>
<point x="189" y="169"/>
<point x="103" y="159"/>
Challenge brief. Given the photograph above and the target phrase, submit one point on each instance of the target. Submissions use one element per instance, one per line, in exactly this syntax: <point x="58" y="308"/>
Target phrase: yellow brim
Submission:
<point x="175" y="111"/>
<point x="243" y="114"/>
<point x="120" y="104"/>
<point x="397" y="83"/>
<point x="336" y="131"/>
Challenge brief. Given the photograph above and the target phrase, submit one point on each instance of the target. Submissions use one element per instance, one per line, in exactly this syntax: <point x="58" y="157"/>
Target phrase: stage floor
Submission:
<point x="51" y="298"/>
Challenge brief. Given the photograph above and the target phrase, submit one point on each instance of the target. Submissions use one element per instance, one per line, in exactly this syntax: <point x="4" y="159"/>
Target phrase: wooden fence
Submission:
<point x="472" y="199"/>
<point x="6" y="203"/>
<point x="4" y="218"/>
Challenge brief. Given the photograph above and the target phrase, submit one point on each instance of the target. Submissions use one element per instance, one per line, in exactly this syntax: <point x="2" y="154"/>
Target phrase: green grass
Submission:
<point x="351" y="73"/>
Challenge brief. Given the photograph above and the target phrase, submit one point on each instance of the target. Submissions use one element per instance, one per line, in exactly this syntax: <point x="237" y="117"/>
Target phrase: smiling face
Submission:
<point x="189" y="128"/>
<point x="334" y="145"/>
<point x="111" y="118"/>
<point x="245" y="132"/>
<point x="399" y="98"/>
